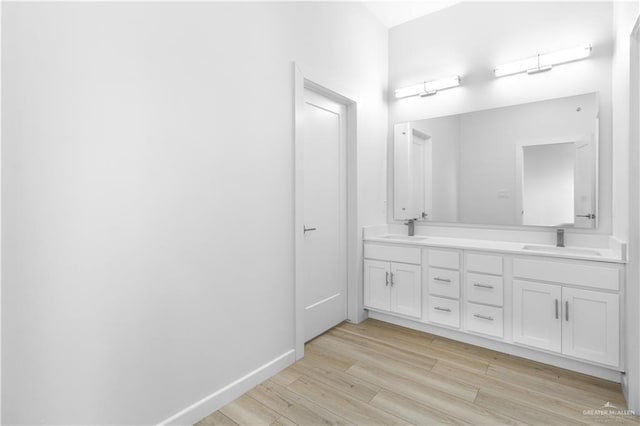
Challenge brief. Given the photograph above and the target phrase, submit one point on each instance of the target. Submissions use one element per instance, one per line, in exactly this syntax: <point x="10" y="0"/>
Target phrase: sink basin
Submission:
<point x="404" y="237"/>
<point x="565" y="250"/>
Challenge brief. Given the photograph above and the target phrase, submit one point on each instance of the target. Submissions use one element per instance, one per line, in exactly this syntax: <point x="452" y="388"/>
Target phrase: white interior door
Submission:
<point x="585" y="183"/>
<point x="416" y="171"/>
<point x="401" y="177"/>
<point x="325" y="214"/>
<point x="548" y="188"/>
<point x="428" y="178"/>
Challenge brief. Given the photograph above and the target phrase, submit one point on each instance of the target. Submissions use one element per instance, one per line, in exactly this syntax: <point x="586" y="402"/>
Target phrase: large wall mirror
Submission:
<point x="531" y="164"/>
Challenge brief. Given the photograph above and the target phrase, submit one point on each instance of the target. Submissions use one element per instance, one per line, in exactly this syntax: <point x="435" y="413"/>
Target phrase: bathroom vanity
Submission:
<point x="560" y="306"/>
<point x="487" y="174"/>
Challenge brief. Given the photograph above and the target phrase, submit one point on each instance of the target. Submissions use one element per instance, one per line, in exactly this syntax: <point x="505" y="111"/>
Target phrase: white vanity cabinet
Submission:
<point x="393" y="284"/>
<point x="591" y="325"/>
<point x="558" y="310"/>
<point x="444" y="287"/>
<point x="484" y="294"/>
<point x="377" y="294"/>
<point x="536" y="315"/>
<point x="578" y="322"/>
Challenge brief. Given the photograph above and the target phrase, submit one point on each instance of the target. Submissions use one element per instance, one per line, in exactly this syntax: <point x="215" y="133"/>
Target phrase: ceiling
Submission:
<point x="392" y="13"/>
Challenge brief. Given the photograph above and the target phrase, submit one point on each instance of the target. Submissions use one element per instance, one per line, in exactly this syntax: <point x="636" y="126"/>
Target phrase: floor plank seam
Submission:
<point x="320" y="405"/>
<point x="378" y="373"/>
<point x="338" y="415"/>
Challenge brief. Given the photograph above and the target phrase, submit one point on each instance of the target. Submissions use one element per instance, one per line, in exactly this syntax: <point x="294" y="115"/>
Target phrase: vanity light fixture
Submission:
<point x="543" y="62"/>
<point x="428" y="88"/>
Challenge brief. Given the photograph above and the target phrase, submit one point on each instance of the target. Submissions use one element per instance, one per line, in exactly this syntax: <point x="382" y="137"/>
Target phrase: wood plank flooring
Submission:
<point x="376" y="373"/>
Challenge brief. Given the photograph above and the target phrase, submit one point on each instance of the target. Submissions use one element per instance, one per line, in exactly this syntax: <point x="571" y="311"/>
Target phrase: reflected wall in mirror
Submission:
<point x="532" y="164"/>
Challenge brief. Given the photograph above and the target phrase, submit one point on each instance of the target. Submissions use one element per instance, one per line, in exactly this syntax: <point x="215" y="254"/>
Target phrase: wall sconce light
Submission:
<point x="428" y="88"/>
<point x="543" y="62"/>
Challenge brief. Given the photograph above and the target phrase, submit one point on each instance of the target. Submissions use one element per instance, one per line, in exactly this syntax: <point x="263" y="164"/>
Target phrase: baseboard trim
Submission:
<point x="221" y="397"/>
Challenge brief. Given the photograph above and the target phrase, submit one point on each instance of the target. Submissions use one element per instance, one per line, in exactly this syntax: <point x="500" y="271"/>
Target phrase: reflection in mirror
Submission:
<point x="547" y="184"/>
<point x="532" y="164"/>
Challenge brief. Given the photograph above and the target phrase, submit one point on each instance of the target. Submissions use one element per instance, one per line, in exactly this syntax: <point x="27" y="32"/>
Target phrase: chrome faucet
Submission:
<point x="559" y="237"/>
<point x="412" y="228"/>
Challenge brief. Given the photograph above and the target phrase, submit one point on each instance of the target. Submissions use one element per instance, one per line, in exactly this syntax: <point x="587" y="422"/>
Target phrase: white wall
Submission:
<point x="147" y="192"/>
<point x="623" y="18"/>
<point x="626" y="190"/>
<point x="456" y="41"/>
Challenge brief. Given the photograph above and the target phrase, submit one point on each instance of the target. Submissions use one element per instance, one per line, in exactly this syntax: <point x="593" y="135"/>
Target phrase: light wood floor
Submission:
<point x="376" y="373"/>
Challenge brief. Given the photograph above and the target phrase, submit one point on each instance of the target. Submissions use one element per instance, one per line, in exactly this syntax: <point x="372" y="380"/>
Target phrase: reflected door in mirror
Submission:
<point x="548" y="184"/>
<point x="412" y="179"/>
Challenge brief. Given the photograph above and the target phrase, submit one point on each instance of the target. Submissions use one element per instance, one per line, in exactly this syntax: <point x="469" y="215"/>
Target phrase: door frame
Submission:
<point x="300" y="83"/>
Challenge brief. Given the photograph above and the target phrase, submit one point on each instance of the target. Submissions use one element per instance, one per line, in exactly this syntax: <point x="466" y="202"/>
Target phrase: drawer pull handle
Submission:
<point x="557" y="316"/>
<point x="482" y="285"/>
<point x="444" y="280"/>
<point x="566" y="310"/>
<point x="438" y="308"/>
<point x="392" y="279"/>
<point x="386" y="280"/>
<point x="488" y="318"/>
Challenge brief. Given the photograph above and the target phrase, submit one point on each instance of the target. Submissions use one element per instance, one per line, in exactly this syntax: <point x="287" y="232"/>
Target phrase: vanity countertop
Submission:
<point x="529" y="249"/>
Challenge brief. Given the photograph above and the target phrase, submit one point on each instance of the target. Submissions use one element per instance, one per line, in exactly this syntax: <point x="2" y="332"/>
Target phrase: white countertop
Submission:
<point x="529" y="249"/>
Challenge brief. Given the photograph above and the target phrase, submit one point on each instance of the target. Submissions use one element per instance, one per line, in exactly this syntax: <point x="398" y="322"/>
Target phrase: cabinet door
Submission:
<point x="591" y="325"/>
<point x="536" y="315"/>
<point x="406" y="289"/>
<point x="377" y="292"/>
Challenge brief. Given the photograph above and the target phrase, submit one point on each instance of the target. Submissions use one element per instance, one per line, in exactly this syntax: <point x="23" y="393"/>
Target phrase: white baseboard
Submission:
<point x="221" y="397"/>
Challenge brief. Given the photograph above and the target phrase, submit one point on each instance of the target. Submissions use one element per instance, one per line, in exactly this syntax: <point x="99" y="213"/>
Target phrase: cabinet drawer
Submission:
<point x="583" y="274"/>
<point x="444" y="258"/>
<point x="444" y="311"/>
<point x="485" y="263"/>
<point x="484" y="319"/>
<point x="392" y="253"/>
<point x="443" y="282"/>
<point x="486" y="289"/>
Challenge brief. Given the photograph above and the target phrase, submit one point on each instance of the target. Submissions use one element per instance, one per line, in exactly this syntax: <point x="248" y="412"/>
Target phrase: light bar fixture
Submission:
<point x="543" y="62"/>
<point x="428" y="87"/>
